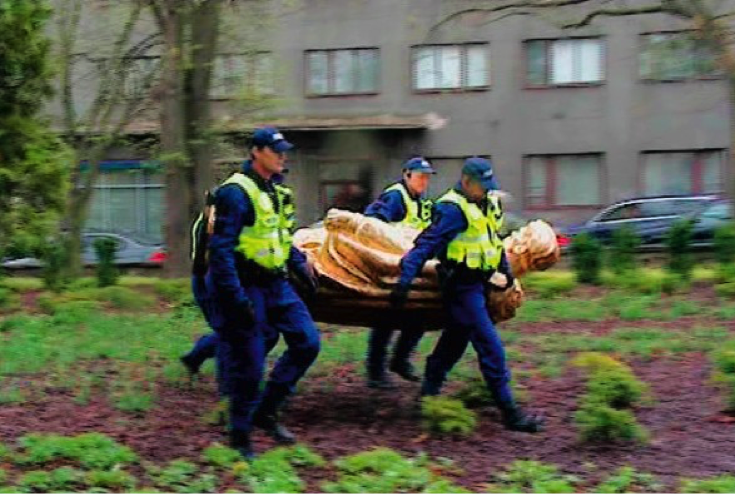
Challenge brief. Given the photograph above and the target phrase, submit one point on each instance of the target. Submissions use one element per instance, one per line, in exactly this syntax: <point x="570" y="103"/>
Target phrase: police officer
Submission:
<point x="207" y="346"/>
<point x="401" y="203"/>
<point x="250" y="255"/>
<point x="463" y="235"/>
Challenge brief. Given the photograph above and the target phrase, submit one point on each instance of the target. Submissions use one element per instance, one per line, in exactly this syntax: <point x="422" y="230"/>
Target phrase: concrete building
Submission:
<point x="626" y="107"/>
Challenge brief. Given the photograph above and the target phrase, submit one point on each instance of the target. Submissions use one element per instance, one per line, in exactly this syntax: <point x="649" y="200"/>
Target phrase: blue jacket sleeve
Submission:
<point x="504" y="266"/>
<point x="233" y="211"/>
<point x="446" y="223"/>
<point x="296" y="260"/>
<point x="388" y="207"/>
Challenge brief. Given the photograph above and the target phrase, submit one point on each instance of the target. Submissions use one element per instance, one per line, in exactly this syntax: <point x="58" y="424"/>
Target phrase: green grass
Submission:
<point x="22" y="284"/>
<point x="97" y="463"/>
<point x="561" y="310"/>
<point x="60" y="350"/>
<point x="550" y="284"/>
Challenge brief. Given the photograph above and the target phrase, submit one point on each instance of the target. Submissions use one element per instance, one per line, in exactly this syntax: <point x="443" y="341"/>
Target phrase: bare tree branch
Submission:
<point x="518" y="5"/>
<point x="68" y="25"/>
<point x="112" y="81"/>
<point x="586" y="20"/>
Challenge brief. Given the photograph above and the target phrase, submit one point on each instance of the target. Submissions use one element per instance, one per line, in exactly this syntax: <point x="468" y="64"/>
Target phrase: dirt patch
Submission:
<point x="341" y="416"/>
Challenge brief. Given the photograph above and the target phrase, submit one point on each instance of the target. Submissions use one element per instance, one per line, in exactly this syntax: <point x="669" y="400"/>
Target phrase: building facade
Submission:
<point x="572" y="120"/>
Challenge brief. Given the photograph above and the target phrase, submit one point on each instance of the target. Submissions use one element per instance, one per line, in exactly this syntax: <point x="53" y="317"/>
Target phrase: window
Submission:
<point x="341" y="72"/>
<point x="720" y="211"/>
<point x="450" y="67"/>
<point x="675" y="56"/>
<point x="139" y="75"/>
<point x="238" y="74"/>
<point x="624" y="212"/>
<point x="563" y="180"/>
<point x="345" y="184"/>
<point x="128" y="200"/>
<point x="564" y="61"/>
<point x="688" y="172"/>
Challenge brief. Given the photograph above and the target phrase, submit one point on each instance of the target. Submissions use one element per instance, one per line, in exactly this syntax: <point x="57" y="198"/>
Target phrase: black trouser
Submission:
<point x="378" y="343"/>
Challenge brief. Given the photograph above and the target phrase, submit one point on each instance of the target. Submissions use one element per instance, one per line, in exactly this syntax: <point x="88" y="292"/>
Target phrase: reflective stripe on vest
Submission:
<point x="479" y="246"/>
<point x="266" y="242"/>
<point x="495" y="210"/>
<point x="288" y="213"/>
<point x="418" y="213"/>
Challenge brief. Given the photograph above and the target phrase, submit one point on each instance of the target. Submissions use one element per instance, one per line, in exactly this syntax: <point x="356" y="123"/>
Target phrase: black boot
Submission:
<point x="266" y="416"/>
<point x="407" y="342"/>
<point x="405" y="369"/>
<point x="430" y="388"/>
<point x="376" y="356"/>
<point x="515" y="419"/>
<point x="191" y="367"/>
<point x="240" y="441"/>
<point x="379" y="381"/>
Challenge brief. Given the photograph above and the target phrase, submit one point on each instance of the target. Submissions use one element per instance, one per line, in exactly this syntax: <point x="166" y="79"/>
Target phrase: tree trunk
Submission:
<point x="80" y="196"/>
<point x="76" y="215"/>
<point x="173" y="145"/>
<point x="204" y="47"/>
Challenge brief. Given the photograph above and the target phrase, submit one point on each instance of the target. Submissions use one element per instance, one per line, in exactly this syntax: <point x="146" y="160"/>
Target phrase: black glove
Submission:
<point x="307" y="279"/>
<point x="511" y="280"/>
<point x="399" y="296"/>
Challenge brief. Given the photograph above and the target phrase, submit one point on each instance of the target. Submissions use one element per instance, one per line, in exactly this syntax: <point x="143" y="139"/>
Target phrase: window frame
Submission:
<point x="249" y="82"/>
<point x="648" y="80"/>
<point x="144" y="222"/>
<point x="364" y="162"/>
<point x="463" y="68"/>
<point x="551" y="181"/>
<point x="548" y="64"/>
<point x="331" y="73"/>
<point x="131" y="63"/>
<point x="696" y="182"/>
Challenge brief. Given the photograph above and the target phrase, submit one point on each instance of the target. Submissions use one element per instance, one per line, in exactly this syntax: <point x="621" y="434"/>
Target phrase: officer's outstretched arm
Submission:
<point x="447" y="222"/>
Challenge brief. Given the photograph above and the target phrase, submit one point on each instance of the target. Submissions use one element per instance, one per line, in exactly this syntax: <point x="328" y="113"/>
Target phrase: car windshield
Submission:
<point x="624" y="212"/>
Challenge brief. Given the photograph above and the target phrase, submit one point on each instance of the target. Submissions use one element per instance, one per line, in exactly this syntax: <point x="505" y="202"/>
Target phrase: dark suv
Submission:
<point x="705" y="223"/>
<point x="643" y="215"/>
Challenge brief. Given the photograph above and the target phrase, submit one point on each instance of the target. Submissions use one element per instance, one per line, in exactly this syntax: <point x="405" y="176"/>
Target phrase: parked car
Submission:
<point x="705" y="223"/>
<point x="130" y="252"/>
<point x="642" y="215"/>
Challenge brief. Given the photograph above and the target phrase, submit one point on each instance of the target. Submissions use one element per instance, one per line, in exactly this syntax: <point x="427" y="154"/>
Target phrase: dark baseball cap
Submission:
<point x="418" y="165"/>
<point x="271" y="137"/>
<point x="481" y="170"/>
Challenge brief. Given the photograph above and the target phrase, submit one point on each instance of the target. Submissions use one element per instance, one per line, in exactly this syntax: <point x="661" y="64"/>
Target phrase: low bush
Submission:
<point x="724" y="373"/>
<point x="724" y="245"/>
<point x="586" y="258"/>
<point x="532" y="476"/>
<point x="722" y="483"/>
<point x="621" y="258"/>
<point x="679" y="245"/>
<point x="448" y="416"/>
<point x="107" y="272"/>
<point x="599" y="422"/>
<point x="612" y="389"/>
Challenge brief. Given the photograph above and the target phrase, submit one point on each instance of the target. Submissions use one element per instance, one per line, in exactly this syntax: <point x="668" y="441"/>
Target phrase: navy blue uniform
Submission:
<point x="390" y="208"/>
<point x="234" y="282"/>
<point x="463" y="291"/>
<point x="207" y="346"/>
